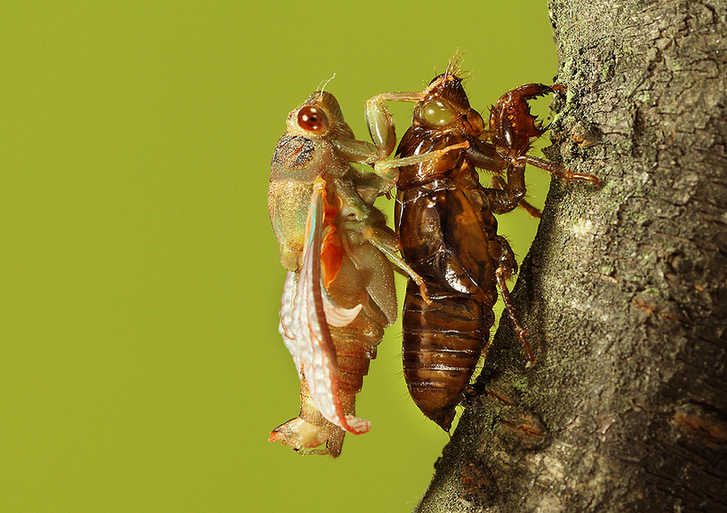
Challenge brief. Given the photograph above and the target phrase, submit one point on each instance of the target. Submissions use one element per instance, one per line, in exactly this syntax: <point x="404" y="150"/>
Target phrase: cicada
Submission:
<point x="448" y="233"/>
<point x="340" y="256"/>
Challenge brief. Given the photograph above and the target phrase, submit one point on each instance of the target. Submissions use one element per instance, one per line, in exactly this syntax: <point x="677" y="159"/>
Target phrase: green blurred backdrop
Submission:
<point x="140" y="368"/>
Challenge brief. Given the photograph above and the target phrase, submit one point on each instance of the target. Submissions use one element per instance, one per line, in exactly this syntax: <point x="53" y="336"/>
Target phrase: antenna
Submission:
<point x="322" y="86"/>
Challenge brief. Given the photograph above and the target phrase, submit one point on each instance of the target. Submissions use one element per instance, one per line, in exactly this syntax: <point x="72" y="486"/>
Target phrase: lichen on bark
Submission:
<point x="624" y="291"/>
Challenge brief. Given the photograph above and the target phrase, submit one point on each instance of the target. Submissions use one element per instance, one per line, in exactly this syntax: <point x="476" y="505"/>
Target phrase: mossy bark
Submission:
<point x="624" y="292"/>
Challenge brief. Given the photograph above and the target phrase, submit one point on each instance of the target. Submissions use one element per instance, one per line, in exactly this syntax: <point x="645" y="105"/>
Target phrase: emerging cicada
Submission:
<point x="444" y="219"/>
<point x="339" y="292"/>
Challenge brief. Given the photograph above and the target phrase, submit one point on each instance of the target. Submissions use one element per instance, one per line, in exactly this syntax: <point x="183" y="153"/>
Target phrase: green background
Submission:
<point x="140" y="365"/>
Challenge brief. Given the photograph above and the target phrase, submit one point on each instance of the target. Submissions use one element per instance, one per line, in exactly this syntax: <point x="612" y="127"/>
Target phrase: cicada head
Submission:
<point x="320" y="116"/>
<point x="446" y="106"/>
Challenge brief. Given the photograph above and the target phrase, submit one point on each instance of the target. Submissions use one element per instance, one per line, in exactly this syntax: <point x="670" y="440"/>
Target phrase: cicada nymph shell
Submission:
<point x="448" y="233"/>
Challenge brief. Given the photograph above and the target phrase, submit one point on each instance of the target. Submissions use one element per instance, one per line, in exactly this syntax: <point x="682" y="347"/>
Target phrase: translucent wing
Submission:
<point x="304" y="326"/>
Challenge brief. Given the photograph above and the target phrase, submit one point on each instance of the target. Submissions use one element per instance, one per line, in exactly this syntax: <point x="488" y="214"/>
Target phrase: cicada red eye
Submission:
<point x="312" y="119"/>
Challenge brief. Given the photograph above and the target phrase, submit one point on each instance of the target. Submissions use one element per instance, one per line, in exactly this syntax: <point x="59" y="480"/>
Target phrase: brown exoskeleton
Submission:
<point x="444" y="219"/>
<point x="339" y="292"/>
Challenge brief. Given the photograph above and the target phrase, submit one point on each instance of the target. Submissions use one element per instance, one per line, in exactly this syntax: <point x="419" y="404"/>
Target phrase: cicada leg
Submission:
<point x="510" y="194"/>
<point x="366" y="153"/>
<point x="379" y="121"/>
<point x="507" y="266"/>
<point x="556" y="170"/>
<point x="499" y="183"/>
<point x="512" y="126"/>
<point x="386" y="241"/>
<point x="382" y="165"/>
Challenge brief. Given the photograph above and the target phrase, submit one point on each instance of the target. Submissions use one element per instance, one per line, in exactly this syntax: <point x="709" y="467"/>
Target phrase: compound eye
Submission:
<point x="437" y="113"/>
<point x="312" y="119"/>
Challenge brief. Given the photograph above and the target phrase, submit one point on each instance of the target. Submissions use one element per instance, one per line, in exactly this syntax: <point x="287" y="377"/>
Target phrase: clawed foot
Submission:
<point x="511" y="123"/>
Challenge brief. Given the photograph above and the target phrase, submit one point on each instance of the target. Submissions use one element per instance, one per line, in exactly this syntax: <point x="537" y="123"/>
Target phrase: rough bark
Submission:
<point x="624" y="291"/>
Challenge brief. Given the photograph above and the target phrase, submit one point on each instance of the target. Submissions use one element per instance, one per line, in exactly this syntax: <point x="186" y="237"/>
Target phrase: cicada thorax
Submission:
<point x="297" y="162"/>
<point x="449" y="237"/>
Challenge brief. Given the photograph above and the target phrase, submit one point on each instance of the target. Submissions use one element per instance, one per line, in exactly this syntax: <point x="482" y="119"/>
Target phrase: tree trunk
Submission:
<point x="624" y="291"/>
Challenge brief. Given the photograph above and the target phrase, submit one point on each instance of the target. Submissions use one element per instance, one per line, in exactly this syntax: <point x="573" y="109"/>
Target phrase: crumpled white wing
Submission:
<point x="285" y="326"/>
<point x="304" y="326"/>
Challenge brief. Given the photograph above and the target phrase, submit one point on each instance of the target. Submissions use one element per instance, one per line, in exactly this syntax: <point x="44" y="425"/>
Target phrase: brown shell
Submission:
<point x="446" y="235"/>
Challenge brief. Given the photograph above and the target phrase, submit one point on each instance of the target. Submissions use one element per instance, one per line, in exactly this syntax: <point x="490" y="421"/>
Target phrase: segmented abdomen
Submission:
<point x="442" y="344"/>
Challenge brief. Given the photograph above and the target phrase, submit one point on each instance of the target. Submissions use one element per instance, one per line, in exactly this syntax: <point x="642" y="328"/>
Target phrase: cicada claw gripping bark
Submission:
<point x="340" y="256"/>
